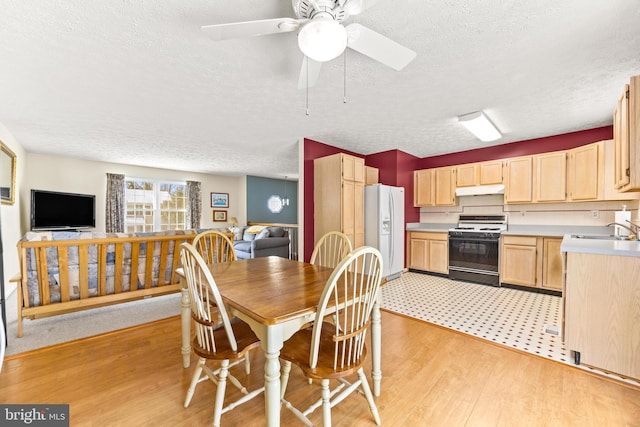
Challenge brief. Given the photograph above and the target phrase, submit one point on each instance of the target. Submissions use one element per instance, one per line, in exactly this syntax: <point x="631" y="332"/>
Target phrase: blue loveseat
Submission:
<point x="258" y="241"/>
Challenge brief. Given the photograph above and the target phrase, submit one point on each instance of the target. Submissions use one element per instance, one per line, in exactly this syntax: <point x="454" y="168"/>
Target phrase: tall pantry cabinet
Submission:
<point x="338" y="196"/>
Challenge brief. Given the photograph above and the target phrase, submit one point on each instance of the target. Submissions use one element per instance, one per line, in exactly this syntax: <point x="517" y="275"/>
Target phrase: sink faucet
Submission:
<point x="634" y="232"/>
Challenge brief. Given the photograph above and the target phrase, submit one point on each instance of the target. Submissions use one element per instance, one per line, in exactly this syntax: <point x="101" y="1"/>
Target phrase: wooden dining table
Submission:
<point x="276" y="297"/>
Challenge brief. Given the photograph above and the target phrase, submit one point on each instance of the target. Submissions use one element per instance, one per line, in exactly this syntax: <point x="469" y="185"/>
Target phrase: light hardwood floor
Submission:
<point x="432" y="377"/>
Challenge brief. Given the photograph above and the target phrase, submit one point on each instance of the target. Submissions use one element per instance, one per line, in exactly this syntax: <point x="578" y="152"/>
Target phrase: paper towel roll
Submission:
<point x="621" y="218"/>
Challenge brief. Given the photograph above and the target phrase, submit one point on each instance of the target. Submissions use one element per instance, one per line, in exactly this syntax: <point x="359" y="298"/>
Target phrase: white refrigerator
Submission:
<point x="384" y="226"/>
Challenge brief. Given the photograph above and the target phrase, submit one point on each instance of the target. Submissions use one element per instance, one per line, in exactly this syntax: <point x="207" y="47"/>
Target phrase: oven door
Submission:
<point x="474" y="259"/>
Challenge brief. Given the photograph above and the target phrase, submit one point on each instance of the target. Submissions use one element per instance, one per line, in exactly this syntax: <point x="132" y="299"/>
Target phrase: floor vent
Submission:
<point x="552" y="330"/>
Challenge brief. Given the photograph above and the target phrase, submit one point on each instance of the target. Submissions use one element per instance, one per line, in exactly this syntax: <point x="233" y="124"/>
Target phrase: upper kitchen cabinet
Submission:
<point x="339" y="196"/>
<point x="483" y="173"/>
<point x="423" y="187"/>
<point x="371" y="175"/>
<point x="550" y="177"/>
<point x="445" y="184"/>
<point x="434" y="187"/>
<point x="585" y="172"/>
<point x="518" y="182"/>
<point x="626" y="133"/>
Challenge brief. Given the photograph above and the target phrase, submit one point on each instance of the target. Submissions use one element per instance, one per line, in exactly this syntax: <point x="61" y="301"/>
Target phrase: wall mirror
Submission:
<point x="7" y="175"/>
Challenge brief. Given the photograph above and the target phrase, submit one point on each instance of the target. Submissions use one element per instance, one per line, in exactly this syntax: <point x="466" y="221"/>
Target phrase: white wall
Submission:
<point x="88" y="177"/>
<point x="10" y="214"/>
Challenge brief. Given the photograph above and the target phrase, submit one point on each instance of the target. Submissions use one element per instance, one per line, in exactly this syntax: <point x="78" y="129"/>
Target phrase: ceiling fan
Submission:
<point x="321" y="35"/>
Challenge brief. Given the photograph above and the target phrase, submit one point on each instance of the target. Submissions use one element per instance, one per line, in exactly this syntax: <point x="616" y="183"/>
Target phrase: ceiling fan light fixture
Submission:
<point x="322" y="39"/>
<point x="480" y="125"/>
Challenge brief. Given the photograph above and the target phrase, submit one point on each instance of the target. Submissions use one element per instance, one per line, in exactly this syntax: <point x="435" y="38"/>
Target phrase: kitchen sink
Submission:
<point x="599" y="237"/>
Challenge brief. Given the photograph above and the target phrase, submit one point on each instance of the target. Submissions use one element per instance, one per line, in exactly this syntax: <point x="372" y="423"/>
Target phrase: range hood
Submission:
<point x="479" y="190"/>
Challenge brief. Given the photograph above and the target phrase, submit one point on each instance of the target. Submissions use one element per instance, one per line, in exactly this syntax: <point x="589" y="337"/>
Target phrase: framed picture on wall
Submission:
<point x="220" y="216"/>
<point x="219" y="200"/>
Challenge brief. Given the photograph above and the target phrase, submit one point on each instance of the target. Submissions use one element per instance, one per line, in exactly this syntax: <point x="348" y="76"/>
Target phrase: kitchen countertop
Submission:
<point x="432" y="227"/>
<point x="601" y="247"/>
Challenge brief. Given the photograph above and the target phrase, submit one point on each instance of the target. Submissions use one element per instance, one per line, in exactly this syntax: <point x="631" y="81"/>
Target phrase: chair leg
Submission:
<point x="368" y="395"/>
<point x="222" y="385"/>
<point x="284" y="377"/>
<point x="194" y="381"/>
<point x="326" y="403"/>
<point x="247" y="363"/>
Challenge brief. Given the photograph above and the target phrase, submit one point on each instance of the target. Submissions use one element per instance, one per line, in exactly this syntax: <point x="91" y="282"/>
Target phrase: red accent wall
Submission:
<point x="564" y="141"/>
<point x="396" y="167"/>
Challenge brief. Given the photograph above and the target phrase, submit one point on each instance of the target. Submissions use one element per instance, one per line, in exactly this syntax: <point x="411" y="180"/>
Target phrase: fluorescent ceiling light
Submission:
<point x="479" y="125"/>
<point x="322" y="39"/>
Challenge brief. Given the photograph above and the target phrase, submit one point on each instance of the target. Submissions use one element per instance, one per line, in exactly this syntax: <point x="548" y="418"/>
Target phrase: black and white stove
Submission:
<point x="480" y="226"/>
<point x="474" y="248"/>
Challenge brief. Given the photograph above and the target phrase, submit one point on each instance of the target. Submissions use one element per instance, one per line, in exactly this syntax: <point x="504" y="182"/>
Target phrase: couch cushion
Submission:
<point x="276" y="232"/>
<point x="242" y="246"/>
<point x="263" y="234"/>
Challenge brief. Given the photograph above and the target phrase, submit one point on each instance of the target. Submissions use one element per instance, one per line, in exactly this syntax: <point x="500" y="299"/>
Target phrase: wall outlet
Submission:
<point x="595" y="214"/>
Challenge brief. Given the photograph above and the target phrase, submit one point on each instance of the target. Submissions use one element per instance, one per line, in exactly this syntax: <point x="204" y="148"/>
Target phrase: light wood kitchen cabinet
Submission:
<point x="626" y="132"/>
<point x="551" y="263"/>
<point x="550" y="177"/>
<point x="482" y="173"/>
<point x="434" y="187"/>
<point x="428" y="251"/>
<point x="423" y="187"/>
<point x="445" y="185"/>
<point x="585" y="172"/>
<point x="532" y="261"/>
<point x="622" y="169"/>
<point x="601" y="308"/>
<point x="519" y="260"/>
<point x="518" y="180"/>
<point x="371" y="175"/>
<point x="339" y="197"/>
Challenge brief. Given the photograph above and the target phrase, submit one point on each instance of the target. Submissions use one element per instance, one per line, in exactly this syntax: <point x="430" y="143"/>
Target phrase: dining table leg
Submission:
<point x="376" y="346"/>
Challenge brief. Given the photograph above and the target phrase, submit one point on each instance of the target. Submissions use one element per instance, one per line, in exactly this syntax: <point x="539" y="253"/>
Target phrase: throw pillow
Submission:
<point x="263" y="234"/>
<point x="276" y="232"/>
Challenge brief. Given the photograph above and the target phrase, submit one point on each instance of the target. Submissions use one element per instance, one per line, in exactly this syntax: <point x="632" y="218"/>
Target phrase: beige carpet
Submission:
<point x="48" y="331"/>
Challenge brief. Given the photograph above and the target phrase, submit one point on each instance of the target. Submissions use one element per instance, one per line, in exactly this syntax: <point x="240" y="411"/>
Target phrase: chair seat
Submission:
<point x="296" y="350"/>
<point x="245" y="337"/>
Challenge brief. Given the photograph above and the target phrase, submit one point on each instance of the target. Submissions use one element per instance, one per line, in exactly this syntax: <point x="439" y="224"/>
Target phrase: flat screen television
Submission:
<point x="51" y="210"/>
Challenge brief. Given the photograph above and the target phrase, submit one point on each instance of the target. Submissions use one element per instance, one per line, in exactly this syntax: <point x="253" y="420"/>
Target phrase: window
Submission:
<point x="155" y="205"/>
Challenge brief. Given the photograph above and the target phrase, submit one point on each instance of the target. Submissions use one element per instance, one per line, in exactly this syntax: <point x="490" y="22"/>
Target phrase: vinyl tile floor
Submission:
<point x="523" y="320"/>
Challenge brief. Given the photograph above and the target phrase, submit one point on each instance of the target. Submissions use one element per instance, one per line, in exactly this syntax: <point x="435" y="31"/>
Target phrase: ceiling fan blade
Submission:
<point x="313" y="68"/>
<point x="262" y="27"/>
<point x="378" y="47"/>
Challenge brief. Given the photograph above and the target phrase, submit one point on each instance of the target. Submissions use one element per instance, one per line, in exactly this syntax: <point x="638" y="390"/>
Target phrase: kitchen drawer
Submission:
<point x="520" y="240"/>
<point x="428" y="235"/>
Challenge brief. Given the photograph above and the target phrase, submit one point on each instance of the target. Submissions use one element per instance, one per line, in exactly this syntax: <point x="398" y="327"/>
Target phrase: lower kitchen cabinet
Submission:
<point x="531" y="261"/>
<point x="428" y="251"/>
<point x="601" y="308"/>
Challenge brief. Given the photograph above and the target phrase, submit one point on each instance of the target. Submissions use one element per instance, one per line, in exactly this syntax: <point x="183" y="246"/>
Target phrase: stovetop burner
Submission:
<point x="481" y="223"/>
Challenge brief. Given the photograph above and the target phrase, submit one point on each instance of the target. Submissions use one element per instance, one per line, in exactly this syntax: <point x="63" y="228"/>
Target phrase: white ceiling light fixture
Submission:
<point x="480" y="125"/>
<point x="323" y="39"/>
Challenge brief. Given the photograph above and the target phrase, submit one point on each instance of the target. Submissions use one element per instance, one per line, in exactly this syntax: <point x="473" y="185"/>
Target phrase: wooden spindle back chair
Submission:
<point x="331" y="249"/>
<point x="334" y="351"/>
<point x="218" y="337"/>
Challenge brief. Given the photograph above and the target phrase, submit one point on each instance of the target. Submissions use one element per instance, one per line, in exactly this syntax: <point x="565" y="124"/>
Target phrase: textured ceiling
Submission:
<point x="137" y="82"/>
